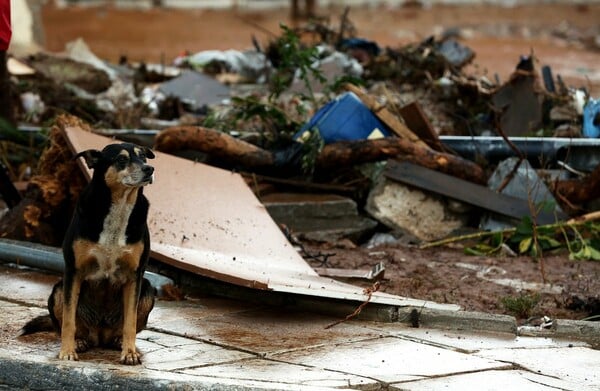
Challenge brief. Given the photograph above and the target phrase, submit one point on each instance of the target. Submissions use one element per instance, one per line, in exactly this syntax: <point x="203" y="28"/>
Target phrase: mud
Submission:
<point x="446" y="275"/>
<point x="560" y="35"/>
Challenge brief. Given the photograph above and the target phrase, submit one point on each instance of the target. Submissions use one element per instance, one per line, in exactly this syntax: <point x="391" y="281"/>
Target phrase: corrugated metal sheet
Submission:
<point x="207" y="221"/>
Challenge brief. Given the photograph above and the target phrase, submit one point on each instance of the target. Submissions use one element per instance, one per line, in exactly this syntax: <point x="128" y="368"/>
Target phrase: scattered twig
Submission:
<point x="320" y="257"/>
<point x="460" y="238"/>
<point x="585" y="218"/>
<point x="368" y="291"/>
<point x="510" y="175"/>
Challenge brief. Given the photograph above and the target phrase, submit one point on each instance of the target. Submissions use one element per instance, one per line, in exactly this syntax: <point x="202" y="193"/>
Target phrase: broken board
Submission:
<point x="461" y="190"/>
<point x="207" y="221"/>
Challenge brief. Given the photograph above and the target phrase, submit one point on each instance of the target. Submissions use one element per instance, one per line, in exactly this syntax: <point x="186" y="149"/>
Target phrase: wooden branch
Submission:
<point x="216" y="144"/>
<point x="340" y="154"/>
<point x="579" y="191"/>
<point x="363" y="151"/>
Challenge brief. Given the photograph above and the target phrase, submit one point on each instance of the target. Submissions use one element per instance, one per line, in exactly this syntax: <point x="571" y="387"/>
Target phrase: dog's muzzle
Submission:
<point x="148" y="173"/>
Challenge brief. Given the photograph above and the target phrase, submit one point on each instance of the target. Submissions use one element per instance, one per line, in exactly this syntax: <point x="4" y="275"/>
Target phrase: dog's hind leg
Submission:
<point x="145" y="304"/>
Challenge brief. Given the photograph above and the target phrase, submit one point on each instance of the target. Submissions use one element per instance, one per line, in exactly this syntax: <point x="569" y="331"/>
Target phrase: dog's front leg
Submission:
<point x="71" y="288"/>
<point x="129" y="353"/>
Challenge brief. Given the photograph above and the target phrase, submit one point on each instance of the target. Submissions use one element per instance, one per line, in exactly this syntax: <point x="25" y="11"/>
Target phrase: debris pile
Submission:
<point x="415" y="145"/>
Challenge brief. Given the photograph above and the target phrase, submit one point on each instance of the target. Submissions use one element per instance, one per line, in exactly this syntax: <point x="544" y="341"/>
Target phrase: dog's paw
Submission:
<point x="68" y="355"/>
<point x="131" y="357"/>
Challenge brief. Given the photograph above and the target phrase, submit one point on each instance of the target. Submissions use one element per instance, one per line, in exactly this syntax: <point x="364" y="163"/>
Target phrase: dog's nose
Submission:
<point x="148" y="170"/>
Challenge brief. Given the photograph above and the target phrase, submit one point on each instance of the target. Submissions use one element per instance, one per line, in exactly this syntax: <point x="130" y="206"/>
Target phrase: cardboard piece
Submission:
<point x="207" y="221"/>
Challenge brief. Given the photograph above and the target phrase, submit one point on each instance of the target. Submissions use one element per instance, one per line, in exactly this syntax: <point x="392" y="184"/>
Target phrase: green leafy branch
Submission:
<point x="580" y="238"/>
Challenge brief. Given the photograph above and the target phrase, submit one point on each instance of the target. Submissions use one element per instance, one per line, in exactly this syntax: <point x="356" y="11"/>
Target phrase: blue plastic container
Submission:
<point x="345" y="118"/>
<point x="591" y="114"/>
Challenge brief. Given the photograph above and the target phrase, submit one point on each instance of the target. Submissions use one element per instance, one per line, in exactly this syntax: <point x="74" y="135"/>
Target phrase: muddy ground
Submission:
<point x="477" y="283"/>
<point x="559" y="35"/>
<point x="555" y="33"/>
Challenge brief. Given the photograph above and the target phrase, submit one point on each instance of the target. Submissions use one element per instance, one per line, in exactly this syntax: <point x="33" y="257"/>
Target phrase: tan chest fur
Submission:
<point x="111" y="257"/>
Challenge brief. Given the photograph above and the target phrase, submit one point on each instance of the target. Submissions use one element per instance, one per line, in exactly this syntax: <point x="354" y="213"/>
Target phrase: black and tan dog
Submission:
<point x="103" y="299"/>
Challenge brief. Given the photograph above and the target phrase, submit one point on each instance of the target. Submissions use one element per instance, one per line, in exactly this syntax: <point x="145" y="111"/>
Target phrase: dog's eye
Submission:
<point x="122" y="161"/>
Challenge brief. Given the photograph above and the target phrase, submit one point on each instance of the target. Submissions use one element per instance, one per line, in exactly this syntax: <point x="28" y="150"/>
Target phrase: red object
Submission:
<point x="5" y="30"/>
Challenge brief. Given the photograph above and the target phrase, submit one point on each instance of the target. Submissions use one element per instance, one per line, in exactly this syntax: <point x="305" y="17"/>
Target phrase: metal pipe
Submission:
<point x="51" y="258"/>
<point x="581" y="153"/>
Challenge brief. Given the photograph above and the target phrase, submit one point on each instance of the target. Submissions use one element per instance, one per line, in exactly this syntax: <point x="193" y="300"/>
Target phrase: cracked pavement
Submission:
<point x="215" y="343"/>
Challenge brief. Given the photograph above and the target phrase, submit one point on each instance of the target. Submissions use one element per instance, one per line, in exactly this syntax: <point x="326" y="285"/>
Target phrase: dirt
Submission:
<point x="447" y="275"/>
<point x="557" y="34"/>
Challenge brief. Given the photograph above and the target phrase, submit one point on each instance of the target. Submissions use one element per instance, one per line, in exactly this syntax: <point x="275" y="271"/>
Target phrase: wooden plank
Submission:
<point x="464" y="191"/>
<point x="415" y="119"/>
<point x="386" y="116"/>
<point x="207" y="221"/>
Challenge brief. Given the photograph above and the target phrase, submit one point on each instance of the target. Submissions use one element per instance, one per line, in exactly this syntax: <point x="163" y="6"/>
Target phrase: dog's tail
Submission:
<point x="35" y="325"/>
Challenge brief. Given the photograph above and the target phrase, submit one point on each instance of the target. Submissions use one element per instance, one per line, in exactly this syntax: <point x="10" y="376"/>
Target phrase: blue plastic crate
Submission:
<point x="345" y="118"/>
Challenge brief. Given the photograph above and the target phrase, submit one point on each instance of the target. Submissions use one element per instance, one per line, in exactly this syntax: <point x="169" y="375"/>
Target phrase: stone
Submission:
<point x="407" y="209"/>
<point x="525" y="184"/>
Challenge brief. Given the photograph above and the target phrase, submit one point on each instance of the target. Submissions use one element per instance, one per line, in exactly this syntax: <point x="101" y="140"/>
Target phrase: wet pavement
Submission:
<point x="215" y="343"/>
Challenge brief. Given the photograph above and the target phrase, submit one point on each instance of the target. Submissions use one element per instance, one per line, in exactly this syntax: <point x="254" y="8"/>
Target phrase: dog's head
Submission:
<point x="121" y="164"/>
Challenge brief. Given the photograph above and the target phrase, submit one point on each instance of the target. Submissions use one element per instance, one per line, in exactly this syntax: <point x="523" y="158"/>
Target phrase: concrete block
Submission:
<point x="401" y="207"/>
<point x="461" y="320"/>
<point x="568" y="329"/>
<point x="319" y="217"/>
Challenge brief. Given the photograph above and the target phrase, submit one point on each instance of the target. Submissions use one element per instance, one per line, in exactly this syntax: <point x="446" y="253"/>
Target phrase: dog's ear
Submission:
<point x="91" y="156"/>
<point x="148" y="152"/>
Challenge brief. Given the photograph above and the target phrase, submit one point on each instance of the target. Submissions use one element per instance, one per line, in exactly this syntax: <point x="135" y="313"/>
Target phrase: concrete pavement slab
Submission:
<point x="213" y="343"/>
<point x="489" y="381"/>
<point x="470" y="342"/>
<point x="267" y="331"/>
<point x="268" y="370"/>
<point x="26" y="285"/>
<point x="186" y="355"/>
<point x="577" y="365"/>
<point x="43" y="373"/>
<point x="390" y="360"/>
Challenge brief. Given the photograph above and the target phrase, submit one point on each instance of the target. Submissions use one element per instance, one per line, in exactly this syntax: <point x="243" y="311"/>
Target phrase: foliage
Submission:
<point x="294" y="57"/>
<point x="491" y="246"/>
<point x="532" y="240"/>
<point x="312" y="146"/>
<point x="520" y="306"/>
<point x="585" y="244"/>
<point x="581" y="240"/>
<point x="275" y="121"/>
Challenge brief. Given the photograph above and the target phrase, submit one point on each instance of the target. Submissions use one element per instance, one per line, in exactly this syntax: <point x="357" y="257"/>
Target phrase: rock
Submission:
<point x="408" y="209"/>
<point x="525" y="184"/>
